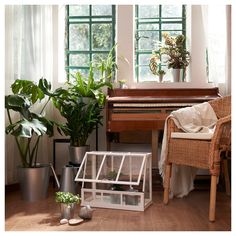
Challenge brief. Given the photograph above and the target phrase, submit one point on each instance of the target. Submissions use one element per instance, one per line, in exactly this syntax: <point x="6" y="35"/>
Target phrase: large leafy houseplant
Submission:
<point x="30" y="125"/>
<point x="80" y="103"/>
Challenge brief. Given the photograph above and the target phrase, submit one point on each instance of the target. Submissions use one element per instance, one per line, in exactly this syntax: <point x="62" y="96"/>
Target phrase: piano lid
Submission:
<point x="192" y="95"/>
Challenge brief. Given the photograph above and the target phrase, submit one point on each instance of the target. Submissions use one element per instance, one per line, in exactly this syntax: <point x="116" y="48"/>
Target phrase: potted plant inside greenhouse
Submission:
<point x="80" y="102"/>
<point x="177" y="57"/>
<point x="28" y="127"/>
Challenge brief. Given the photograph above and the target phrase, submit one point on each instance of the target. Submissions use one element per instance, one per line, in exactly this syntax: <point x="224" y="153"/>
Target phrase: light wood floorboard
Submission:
<point x="187" y="214"/>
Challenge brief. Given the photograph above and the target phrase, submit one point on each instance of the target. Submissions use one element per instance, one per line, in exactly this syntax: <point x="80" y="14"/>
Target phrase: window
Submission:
<point x="151" y="21"/>
<point x="90" y="35"/>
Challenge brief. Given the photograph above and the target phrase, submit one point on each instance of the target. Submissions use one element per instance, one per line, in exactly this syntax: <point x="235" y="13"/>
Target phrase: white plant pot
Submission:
<point x="178" y="75"/>
<point x="161" y="78"/>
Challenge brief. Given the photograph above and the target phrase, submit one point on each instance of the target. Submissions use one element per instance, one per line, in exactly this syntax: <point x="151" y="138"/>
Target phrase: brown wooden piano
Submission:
<point x="147" y="109"/>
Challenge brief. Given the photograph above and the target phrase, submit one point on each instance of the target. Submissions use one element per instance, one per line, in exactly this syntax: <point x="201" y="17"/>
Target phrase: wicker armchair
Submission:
<point x="205" y="154"/>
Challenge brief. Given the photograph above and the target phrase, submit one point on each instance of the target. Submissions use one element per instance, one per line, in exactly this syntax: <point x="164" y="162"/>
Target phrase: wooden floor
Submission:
<point x="187" y="214"/>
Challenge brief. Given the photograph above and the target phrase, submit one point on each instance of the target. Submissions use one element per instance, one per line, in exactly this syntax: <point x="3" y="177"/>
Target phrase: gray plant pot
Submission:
<point x="34" y="182"/>
<point x="77" y="153"/>
<point x="67" y="211"/>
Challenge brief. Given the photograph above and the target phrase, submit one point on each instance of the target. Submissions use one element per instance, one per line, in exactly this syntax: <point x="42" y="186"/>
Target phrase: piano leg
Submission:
<point x="155" y="139"/>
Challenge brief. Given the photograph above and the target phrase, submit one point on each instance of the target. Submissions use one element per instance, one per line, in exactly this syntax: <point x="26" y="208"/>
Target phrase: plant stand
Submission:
<point x="133" y="175"/>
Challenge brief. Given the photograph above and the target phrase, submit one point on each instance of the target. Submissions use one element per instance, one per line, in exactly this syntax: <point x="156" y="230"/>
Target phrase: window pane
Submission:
<point x="79" y="10"/>
<point x="172" y="26"/>
<point x="144" y="59"/>
<point x="84" y="72"/>
<point x="147" y="40"/>
<point x="99" y="10"/>
<point x="148" y="11"/>
<point x="149" y="26"/>
<point x="102" y="37"/>
<point x="171" y="10"/>
<point x="146" y="75"/>
<point x="79" y="59"/>
<point x="98" y="56"/>
<point x="79" y="37"/>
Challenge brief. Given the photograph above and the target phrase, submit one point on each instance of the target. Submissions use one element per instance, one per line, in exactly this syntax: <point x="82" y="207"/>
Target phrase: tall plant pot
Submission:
<point x="77" y="153"/>
<point x="34" y="182"/>
<point x="178" y="75"/>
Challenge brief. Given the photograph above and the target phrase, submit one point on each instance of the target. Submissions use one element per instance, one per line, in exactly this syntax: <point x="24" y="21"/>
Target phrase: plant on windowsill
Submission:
<point x="178" y="58"/>
<point x="122" y="84"/>
<point x="156" y="68"/>
<point x="28" y="124"/>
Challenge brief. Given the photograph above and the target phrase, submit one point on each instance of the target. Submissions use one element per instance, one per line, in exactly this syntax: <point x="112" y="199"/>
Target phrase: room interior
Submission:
<point x="115" y="64"/>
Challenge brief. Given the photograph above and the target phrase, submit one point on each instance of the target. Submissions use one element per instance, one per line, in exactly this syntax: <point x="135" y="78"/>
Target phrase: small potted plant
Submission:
<point x="122" y="84"/>
<point x="161" y="74"/>
<point x="115" y="198"/>
<point x="68" y="202"/>
<point x="155" y="67"/>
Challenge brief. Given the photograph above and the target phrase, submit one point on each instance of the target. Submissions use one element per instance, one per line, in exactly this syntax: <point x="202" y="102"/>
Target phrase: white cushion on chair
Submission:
<point x="204" y="136"/>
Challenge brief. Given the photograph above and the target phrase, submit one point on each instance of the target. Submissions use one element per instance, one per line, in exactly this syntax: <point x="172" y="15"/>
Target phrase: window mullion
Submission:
<point x="90" y="32"/>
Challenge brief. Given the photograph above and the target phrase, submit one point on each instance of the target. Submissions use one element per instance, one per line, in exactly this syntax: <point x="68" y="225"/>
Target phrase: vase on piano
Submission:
<point x="178" y="75"/>
<point x="161" y="78"/>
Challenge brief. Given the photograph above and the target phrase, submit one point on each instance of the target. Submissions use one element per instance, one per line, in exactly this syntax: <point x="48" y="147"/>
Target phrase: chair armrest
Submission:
<point x="171" y="126"/>
<point x="221" y="141"/>
<point x="222" y="131"/>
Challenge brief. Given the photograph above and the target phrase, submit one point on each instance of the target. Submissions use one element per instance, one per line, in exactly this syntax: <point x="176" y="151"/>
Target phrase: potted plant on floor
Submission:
<point x="80" y="102"/>
<point x="28" y="127"/>
<point x="68" y="203"/>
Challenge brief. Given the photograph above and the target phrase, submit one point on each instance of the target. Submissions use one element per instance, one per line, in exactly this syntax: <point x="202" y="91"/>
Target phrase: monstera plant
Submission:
<point x="31" y="125"/>
<point x="28" y="124"/>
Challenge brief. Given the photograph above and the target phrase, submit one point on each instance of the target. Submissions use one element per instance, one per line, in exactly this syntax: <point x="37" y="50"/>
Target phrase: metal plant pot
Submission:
<point x="67" y="180"/>
<point x="77" y="153"/>
<point x="67" y="211"/>
<point x="34" y="182"/>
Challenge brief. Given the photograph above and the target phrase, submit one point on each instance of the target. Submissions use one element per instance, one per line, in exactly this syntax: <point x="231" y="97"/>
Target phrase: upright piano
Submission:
<point x="147" y="109"/>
